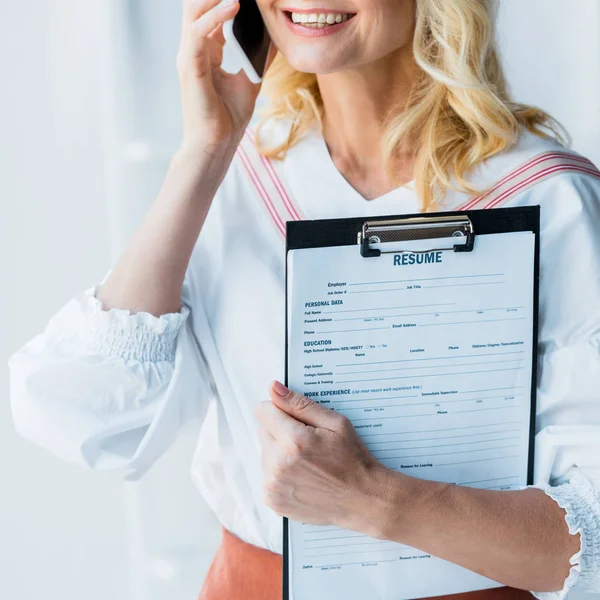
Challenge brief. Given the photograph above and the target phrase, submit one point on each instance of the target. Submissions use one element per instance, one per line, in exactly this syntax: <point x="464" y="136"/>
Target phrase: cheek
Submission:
<point x="391" y="26"/>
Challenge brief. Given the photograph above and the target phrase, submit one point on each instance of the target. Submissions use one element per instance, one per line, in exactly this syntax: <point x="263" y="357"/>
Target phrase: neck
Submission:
<point x="357" y="104"/>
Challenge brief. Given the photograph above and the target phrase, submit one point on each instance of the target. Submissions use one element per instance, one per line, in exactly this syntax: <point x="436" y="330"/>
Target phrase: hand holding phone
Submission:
<point x="249" y="41"/>
<point x="217" y="105"/>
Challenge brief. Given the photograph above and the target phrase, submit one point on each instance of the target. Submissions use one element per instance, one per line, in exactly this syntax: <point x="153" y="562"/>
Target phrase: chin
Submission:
<point x="319" y="65"/>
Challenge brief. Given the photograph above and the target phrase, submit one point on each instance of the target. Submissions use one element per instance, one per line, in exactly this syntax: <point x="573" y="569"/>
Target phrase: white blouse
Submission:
<point x="111" y="389"/>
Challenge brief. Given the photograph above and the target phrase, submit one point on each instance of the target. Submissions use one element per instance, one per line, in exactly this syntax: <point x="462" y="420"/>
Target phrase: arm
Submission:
<point x="216" y="109"/>
<point x="149" y="275"/>
<point x="518" y="538"/>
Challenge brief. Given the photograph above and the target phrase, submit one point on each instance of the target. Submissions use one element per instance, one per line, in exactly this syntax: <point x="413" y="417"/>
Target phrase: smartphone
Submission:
<point x="249" y="40"/>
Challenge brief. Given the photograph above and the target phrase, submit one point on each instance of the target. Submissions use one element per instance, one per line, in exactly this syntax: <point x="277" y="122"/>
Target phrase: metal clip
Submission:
<point x="417" y="228"/>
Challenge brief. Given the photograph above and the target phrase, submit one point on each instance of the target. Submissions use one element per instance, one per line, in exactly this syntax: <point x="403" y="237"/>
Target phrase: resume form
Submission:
<point x="430" y="355"/>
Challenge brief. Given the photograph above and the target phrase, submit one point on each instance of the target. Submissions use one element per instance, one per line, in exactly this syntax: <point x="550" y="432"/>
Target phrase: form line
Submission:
<point x="459" y="412"/>
<point x="377" y="399"/>
<point x="344" y="537"/>
<point x="450" y="437"/>
<point x="470" y="322"/>
<point x="428" y="279"/>
<point x="438" y="402"/>
<point x="350" y="330"/>
<point x="444" y="429"/>
<point x="432" y="287"/>
<point x="373" y="291"/>
<point x="353" y="552"/>
<point x="488" y="480"/>
<point x="491" y="362"/>
<point x="324" y="530"/>
<point x="433" y="414"/>
<point x="428" y="375"/>
<point x="449" y="445"/>
<point x="434" y="312"/>
<point x="384" y="362"/>
<point x="480" y="460"/>
<point x="514" y="387"/>
<point x="346" y="545"/>
<point x="447" y="453"/>
<point x="360" y="562"/>
<point x="332" y="312"/>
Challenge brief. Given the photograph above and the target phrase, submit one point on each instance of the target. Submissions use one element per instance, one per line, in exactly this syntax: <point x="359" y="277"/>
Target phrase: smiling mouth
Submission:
<point x="318" y="20"/>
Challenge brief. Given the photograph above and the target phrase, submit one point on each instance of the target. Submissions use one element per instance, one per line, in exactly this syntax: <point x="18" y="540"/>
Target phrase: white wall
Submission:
<point x="58" y="524"/>
<point x="67" y="534"/>
<point x="89" y="114"/>
<point x="551" y="50"/>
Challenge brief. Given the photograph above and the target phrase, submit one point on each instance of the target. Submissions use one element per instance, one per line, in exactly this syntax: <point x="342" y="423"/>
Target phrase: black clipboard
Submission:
<point x="460" y="228"/>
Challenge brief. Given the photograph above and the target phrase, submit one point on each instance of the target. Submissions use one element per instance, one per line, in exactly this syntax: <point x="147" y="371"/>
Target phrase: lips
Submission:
<point x="315" y="23"/>
<point x="318" y="20"/>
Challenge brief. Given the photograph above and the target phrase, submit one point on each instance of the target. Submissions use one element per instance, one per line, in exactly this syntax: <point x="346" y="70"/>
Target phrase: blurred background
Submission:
<point x="89" y="118"/>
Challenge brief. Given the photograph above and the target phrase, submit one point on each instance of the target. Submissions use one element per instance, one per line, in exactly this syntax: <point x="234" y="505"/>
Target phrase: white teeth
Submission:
<point x="319" y="20"/>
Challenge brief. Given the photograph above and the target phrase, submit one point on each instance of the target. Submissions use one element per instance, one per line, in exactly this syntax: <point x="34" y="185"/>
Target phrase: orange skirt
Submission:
<point x="241" y="571"/>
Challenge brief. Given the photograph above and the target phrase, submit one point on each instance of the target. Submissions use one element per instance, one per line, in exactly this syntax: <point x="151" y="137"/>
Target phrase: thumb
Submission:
<point x="303" y="409"/>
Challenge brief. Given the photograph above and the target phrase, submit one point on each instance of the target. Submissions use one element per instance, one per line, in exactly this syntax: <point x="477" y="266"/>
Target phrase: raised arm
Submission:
<point x="216" y="109"/>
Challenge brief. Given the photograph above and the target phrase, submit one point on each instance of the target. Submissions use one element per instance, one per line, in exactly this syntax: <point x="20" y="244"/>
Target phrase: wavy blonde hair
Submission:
<point x="459" y="112"/>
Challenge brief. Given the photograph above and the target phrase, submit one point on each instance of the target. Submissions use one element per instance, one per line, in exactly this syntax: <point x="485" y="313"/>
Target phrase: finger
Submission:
<point x="191" y="10"/>
<point x="194" y="9"/>
<point x="206" y="23"/>
<point x="305" y="410"/>
<point x="217" y="35"/>
<point x="184" y="12"/>
<point x="266" y="439"/>
<point x="277" y="423"/>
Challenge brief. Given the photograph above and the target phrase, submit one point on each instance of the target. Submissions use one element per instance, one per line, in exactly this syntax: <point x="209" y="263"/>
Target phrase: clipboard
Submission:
<point x="459" y="230"/>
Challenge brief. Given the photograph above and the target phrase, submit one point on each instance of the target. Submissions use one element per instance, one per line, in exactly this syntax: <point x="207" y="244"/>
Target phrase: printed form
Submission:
<point x="430" y="357"/>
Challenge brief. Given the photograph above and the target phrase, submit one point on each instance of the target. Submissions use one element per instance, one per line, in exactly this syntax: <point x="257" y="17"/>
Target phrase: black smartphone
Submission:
<point x="250" y="39"/>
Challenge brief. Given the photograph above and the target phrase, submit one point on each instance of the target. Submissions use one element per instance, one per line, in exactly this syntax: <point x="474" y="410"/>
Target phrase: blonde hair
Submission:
<point x="458" y="115"/>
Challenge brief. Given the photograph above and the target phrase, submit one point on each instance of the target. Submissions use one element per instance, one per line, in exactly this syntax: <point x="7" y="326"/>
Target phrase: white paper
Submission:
<point x="433" y="365"/>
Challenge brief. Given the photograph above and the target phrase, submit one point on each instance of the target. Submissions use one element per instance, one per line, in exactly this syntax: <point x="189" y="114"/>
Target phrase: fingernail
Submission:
<point x="280" y="389"/>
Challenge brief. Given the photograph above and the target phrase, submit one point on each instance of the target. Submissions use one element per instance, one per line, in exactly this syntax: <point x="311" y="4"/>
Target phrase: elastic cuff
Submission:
<point x="582" y="507"/>
<point x="118" y="333"/>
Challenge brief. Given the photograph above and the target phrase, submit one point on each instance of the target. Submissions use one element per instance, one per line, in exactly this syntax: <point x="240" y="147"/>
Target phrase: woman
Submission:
<point x="190" y="320"/>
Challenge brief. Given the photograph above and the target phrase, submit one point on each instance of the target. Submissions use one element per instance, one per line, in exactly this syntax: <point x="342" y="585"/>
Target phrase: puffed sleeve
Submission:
<point x="568" y="420"/>
<point x="108" y="389"/>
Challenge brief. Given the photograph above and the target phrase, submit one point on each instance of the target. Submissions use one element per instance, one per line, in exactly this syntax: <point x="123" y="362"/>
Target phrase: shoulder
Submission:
<point x="564" y="183"/>
<point x="566" y="187"/>
<point x="530" y="154"/>
<point x="535" y="171"/>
